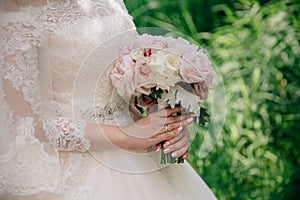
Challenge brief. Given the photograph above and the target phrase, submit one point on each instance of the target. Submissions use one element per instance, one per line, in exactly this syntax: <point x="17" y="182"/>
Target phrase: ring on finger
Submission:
<point x="166" y="128"/>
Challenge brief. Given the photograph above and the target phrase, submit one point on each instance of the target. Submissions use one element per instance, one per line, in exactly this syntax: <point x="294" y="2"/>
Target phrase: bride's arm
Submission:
<point x="21" y="93"/>
<point x="19" y="66"/>
<point x="66" y="136"/>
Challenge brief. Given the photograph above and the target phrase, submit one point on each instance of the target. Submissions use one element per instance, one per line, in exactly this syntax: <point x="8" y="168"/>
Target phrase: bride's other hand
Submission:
<point x="179" y="145"/>
<point x="157" y="127"/>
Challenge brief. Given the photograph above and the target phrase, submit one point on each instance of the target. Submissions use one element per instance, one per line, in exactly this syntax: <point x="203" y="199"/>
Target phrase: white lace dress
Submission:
<point x="46" y="77"/>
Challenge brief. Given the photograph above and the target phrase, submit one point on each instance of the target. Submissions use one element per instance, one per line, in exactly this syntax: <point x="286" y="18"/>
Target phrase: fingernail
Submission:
<point x="184" y="157"/>
<point x="189" y="120"/>
<point x="167" y="151"/>
<point x="157" y="149"/>
<point x="166" y="144"/>
<point x="174" y="155"/>
<point x="180" y="128"/>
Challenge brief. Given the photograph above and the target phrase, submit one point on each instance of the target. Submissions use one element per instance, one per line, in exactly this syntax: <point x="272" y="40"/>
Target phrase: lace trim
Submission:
<point x="66" y="135"/>
<point x="24" y="76"/>
<point x="27" y="168"/>
<point x="114" y="113"/>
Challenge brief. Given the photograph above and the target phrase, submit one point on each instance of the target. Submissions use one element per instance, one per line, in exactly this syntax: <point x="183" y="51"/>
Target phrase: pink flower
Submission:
<point x="144" y="77"/>
<point x="142" y="69"/>
<point x="122" y="75"/>
<point x="196" y="67"/>
<point x="182" y="46"/>
<point x="161" y="62"/>
<point x="211" y="80"/>
<point x="148" y="43"/>
<point x="124" y="51"/>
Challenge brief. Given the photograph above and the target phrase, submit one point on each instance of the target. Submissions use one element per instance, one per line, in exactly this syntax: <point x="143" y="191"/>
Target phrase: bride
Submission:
<point x="65" y="133"/>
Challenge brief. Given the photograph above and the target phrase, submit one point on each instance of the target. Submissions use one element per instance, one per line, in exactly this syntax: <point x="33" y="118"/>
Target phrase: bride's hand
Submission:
<point x="179" y="145"/>
<point x="158" y="127"/>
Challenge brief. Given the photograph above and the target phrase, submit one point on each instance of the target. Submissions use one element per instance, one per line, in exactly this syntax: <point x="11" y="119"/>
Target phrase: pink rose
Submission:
<point x="124" y="51"/>
<point x="148" y="42"/>
<point x="142" y="69"/>
<point x="142" y="41"/>
<point x="144" y="77"/>
<point x="182" y="46"/>
<point x="195" y="67"/>
<point x="122" y="75"/>
<point x="211" y="80"/>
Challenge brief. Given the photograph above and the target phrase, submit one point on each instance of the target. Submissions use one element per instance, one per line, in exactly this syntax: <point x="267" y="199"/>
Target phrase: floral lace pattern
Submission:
<point x="114" y="113"/>
<point x="25" y="76"/>
<point x="22" y="33"/>
<point x="66" y="135"/>
<point x="29" y="166"/>
<point x="29" y="29"/>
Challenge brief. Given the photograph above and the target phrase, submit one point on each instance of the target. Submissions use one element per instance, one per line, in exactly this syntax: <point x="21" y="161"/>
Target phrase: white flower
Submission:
<point x="165" y="63"/>
<point x="166" y="67"/>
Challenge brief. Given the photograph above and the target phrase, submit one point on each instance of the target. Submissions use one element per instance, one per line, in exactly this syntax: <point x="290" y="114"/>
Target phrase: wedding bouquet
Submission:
<point x="164" y="71"/>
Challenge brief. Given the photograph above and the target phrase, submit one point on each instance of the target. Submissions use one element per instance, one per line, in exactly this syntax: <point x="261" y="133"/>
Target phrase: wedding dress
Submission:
<point x="48" y="59"/>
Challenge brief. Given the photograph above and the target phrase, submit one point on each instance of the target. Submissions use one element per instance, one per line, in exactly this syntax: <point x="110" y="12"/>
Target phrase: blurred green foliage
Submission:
<point x="255" y="47"/>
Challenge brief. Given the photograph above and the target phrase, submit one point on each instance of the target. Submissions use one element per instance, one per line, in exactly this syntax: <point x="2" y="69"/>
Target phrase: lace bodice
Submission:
<point x="62" y="33"/>
<point x="42" y="50"/>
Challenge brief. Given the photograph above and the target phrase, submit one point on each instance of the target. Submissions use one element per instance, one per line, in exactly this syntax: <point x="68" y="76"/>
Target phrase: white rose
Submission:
<point x="165" y="63"/>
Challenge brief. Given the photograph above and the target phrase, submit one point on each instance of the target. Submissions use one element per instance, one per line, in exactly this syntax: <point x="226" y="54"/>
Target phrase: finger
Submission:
<point x="181" y="151"/>
<point x="171" y="120"/>
<point x="175" y="139"/>
<point x="170" y="127"/>
<point x="186" y="154"/>
<point x="178" y="146"/>
<point x="182" y="123"/>
<point x="166" y="135"/>
<point x="169" y="111"/>
<point x="158" y="147"/>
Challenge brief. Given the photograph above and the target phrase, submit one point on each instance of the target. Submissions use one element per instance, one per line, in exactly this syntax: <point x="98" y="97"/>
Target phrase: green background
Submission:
<point x="255" y="47"/>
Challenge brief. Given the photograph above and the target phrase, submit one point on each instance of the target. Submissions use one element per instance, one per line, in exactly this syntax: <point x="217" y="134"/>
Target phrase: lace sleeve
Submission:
<point x="20" y="68"/>
<point x="30" y="137"/>
<point x="66" y="134"/>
